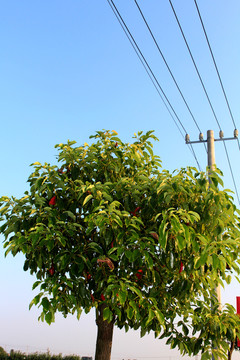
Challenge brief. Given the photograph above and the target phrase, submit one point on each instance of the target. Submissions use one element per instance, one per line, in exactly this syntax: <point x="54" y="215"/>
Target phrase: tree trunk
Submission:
<point x="230" y="351"/>
<point x="104" y="336"/>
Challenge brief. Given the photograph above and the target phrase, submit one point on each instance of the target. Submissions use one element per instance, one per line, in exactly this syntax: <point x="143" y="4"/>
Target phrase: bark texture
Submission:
<point x="104" y="336"/>
<point x="230" y="351"/>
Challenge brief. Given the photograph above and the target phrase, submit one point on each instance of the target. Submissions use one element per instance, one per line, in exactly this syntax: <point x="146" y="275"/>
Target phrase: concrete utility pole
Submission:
<point x="211" y="149"/>
<point x="212" y="165"/>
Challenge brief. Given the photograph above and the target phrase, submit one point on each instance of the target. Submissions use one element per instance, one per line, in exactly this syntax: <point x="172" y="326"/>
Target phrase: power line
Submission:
<point x="234" y="183"/>
<point x="149" y="71"/>
<point x="146" y="69"/>
<point x="209" y="101"/>
<point x="165" y="61"/>
<point x="194" y="63"/>
<point x="215" y="64"/>
<point x="119" y="17"/>
<point x="220" y="80"/>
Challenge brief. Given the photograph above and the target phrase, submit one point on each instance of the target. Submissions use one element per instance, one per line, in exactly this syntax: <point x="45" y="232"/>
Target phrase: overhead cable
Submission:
<point x="146" y="69"/>
<point x="149" y="72"/>
<point x="168" y="67"/>
<point x="200" y="78"/>
<point x="194" y="63"/>
<point x="220" y="80"/>
<point x="230" y="166"/>
<point x="215" y="64"/>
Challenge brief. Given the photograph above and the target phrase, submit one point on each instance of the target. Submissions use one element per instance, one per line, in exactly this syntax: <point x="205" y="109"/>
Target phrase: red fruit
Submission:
<point x="89" y="276"/>
<point x="139" y="274"/>
<point x="116" y="145"/>
<point x="53" y="200"/>
<point x="155" y="235"/>
<point x="51" y="270"/>
<point x="181" y="267"/>
<point x="102" y="297"/>
<point x="92" y="297"/>
<point x="112" y="244"/>
<point x="135" y="211"/>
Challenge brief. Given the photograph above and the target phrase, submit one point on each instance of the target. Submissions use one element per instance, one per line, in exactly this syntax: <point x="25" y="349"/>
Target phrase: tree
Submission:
<point x="107" y="229"/>
<point x="3" y="354"/>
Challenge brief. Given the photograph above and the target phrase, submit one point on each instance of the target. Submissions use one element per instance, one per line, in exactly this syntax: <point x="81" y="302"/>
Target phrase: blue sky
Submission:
<point x="67" y="70"/>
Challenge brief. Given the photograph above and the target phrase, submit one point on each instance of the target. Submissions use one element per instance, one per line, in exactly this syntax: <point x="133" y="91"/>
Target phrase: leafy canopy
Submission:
<point x="107" y="226"/>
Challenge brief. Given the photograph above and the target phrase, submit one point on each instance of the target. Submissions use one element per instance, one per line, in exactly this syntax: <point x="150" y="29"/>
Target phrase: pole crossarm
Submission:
<point x="204" y="141"/>
<point x="221" y="137"/>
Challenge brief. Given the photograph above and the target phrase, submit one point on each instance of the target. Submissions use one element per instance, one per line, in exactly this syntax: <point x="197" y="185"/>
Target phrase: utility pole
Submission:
<point x="212" y="166"/>
<point x="211" y="149"/>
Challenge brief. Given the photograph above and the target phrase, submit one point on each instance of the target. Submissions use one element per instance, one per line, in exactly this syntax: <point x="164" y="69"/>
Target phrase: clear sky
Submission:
<point x="67" y="69"/>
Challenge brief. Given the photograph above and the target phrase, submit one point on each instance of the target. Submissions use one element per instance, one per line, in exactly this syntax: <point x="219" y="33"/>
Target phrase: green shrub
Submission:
<point x="37" y="356"/>
<point x="3" y="354"/>
<point x="17" y="355"/>
<point x="56" y="357"/>
<point x="2" y="351"/>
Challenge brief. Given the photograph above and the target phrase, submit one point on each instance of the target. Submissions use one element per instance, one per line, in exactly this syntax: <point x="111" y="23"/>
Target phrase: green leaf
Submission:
<point x="129" y="255"/>
<point x="61" y="240"/>
<point x="70" y="214"/>
<point x="118" y="221"/>
<point x="49" y="317"/>
<point x="195" y="245"/>
<point x="181" y="242"/>
<point x="206" y="356"/>
<point x="133" y="305"/>
<point x="79" y="312"/>
<point x="149" y="260"/>
<point x="45" y="303"/>
<point x="151" y="316"/>
<point x="136" y="291"/>
<point x="185" y="329"/>
<point x="159" y="316"/>
<point x="143" y="331"/>
<point x="118" y="313"/>
<point x="175" y="224"/>
<point x="122" y="297"/>
<point x="96" y="247"/>
<point x="36" y="284"/>
<point x="4" y="210"/>
<point x="89" y="197"/>
<point x="201" y="261"/>
<point x="135" y="255"/>
<point x="107" y="314"/>
<point x="35" y="300"/>
<point x="112" y="250"/>
<point x="130" y="312"/>
<point x="228" y="279"/>
<point x="163" y="234"/>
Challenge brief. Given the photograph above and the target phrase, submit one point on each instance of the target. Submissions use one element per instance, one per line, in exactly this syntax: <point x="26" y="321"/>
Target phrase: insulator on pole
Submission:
<point x="201" y="136"/>
<point x="221" y="134"/>
<point x="235" y="133"/>
<point x="187" y="138"/>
